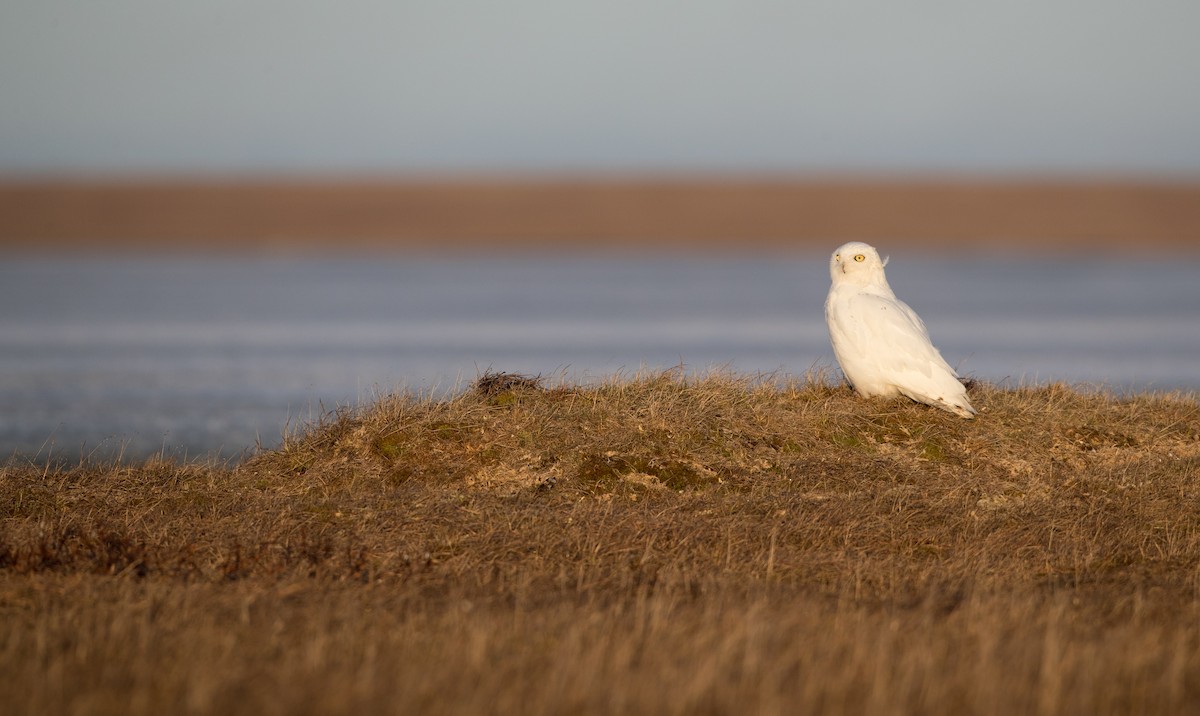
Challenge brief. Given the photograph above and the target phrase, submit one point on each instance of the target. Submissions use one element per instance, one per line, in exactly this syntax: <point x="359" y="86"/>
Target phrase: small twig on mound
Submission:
<point x="493" y="383"/>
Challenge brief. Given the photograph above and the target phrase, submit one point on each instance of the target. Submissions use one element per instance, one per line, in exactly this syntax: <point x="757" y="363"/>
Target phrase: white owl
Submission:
<point x="880" y="343"/>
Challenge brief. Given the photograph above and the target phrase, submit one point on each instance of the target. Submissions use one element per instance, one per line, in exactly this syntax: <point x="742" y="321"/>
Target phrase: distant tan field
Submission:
<point x="645" y="546"/>
<point x="575" y="213"/>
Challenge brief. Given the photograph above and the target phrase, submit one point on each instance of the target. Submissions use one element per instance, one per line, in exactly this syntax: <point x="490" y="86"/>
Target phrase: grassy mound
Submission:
<point x="651" y="545"/>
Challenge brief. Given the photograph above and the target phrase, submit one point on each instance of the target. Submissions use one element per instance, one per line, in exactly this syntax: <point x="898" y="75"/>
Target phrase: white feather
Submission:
<point x="880" y="343"/>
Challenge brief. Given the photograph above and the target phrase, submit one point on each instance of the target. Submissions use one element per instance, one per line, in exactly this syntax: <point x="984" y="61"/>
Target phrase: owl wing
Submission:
<point x="887" y="335"/>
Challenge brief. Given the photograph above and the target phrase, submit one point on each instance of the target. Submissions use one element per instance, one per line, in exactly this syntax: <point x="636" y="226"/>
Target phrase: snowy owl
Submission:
<point x="880" y="343"/>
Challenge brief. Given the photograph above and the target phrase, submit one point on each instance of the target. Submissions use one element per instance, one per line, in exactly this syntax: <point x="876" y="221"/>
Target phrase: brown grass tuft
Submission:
<point x="657" y="544"/>
<point x="493" y="383"/>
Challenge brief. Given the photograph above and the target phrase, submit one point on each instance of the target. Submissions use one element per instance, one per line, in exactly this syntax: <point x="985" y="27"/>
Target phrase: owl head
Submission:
<point x="857" y="263"/>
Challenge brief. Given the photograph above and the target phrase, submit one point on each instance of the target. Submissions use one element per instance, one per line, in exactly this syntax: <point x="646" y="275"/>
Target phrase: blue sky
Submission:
<point x="445" y="86"/>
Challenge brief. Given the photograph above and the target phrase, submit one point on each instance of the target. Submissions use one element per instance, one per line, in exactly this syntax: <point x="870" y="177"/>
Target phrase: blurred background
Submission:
<point x="219" y="219"/>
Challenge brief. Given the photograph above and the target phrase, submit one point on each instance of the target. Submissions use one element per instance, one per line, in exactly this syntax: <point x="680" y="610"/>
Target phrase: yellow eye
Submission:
<point x="859" y="258"/>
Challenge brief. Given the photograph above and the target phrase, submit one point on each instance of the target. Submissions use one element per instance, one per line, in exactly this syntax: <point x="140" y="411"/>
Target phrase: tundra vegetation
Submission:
<point x="653" y="544"/>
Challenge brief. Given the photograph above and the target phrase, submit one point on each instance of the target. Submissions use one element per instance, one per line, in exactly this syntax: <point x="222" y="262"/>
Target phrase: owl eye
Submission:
<point x="859" y="258"/>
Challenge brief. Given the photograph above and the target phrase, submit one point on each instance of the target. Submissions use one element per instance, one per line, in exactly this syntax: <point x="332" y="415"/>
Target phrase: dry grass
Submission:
<point x="651" y="545"/>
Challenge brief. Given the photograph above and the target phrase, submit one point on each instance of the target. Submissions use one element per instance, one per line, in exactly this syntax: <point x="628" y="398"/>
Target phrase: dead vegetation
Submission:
<point x="647" y="545"/>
